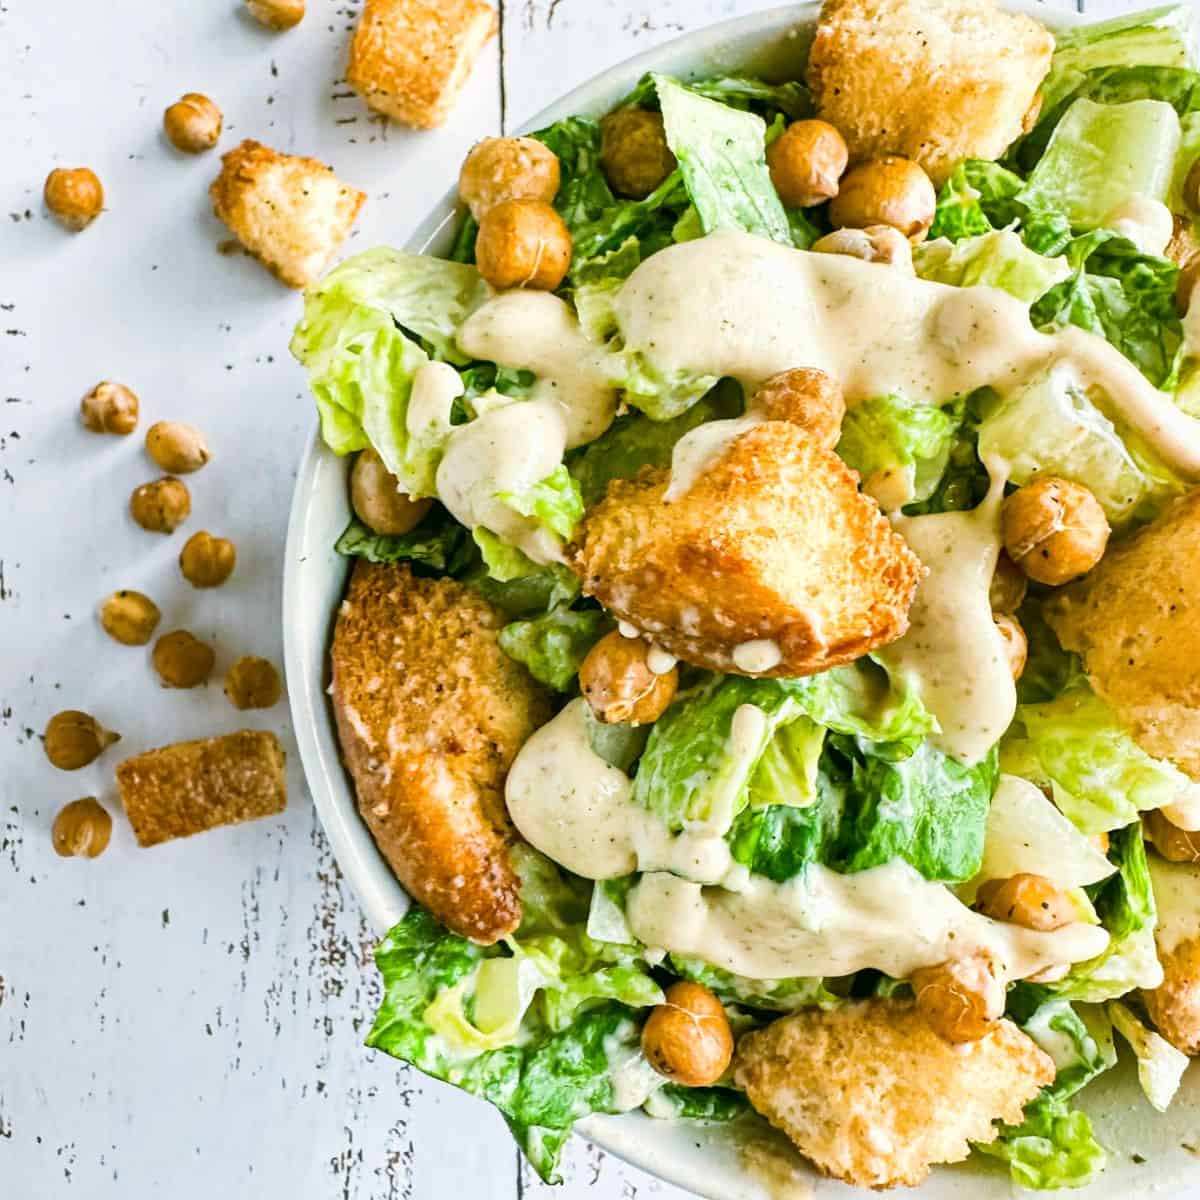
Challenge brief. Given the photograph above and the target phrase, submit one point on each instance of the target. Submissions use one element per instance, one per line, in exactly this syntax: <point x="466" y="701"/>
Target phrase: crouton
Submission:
<point x="1135" y="620"/>
<point x="291" y="213"/>
<point x="1174" y="1006"/>
<point x="410" y="58"/>
<point x="936" y="81"/>
<point x="194" y="786"/>
<point x="874" y="1097"/>
<point x="430" y="713"/>
<point x="772" y="543"/>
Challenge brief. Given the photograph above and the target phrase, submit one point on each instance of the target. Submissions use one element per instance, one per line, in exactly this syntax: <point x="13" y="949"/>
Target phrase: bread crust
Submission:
<point x="1174" y="1006"/>
<point x="431" y="713"/>
<point x="774" y="541"/>
<point x="874" y="1097"/>
<point x="291" y="213"/>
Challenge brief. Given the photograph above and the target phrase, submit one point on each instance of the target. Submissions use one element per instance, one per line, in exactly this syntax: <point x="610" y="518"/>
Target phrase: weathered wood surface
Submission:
<point x="187" y="1021"/>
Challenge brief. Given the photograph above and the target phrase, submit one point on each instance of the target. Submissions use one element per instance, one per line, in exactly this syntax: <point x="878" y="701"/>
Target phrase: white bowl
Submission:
<point x="713" y="1161"/>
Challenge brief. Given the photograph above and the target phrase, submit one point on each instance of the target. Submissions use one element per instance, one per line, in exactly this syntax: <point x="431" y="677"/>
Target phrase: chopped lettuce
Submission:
<point x="553" y="646"/>
<point x="516" y="584"/>
<point x="675" y="1103"/>
<point x="787" y="772"/>
<point x="772" y="995"/>
<point x="790" y="98"/>
<point x="554" y="502"/>
<point x="439" y="542"/>
<point x="583" y="192"/>
<point x="977" y="197"/>
<point x="998" y="258"/>
<point x="1160" y="1066"/>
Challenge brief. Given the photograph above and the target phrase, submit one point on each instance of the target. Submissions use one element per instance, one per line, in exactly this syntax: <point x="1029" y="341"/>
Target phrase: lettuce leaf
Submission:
<point x="676" y="1103"/>
<point x="439" y="542"/>
<point x="554" y="502"/>
<point x="772" y="995"/>
<point x="790" y="98"/>
<point x="554" y="646"/>
<point x="998" y="258"/>
<point x="514" y="582"/>
<point x="1160" y="1066"/>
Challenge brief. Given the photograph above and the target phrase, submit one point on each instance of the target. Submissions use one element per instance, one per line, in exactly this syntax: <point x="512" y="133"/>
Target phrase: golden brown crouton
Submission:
<point x="874" y="1097"/>
<point x="193" y="786"/>
<point x="431" y="713"/>
<point x="933" y="80"/>
<point x="410" y="58"/>
<point x="1174" y="1006"/>
<point x="291" y="213"/>
<point x="1135" y="619"/>
<point x="772" y="543"/>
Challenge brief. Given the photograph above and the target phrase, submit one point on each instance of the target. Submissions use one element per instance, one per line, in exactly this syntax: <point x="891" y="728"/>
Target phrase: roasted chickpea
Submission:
<point x="1016" y="645"/>
<point x="616" y="680"/>
<point x="192" y="123"/>
<point x="891" y="191"/>
<point x="109" y="408"/>
<point x="1028" y="900"/>
<point x="961" y="999"/>
<point x="177" y="447"/>
<point x="129" y="617"/>
<point x="806" y="161"/>
<point x="634" y="154"/>
<point x="523" y="243"/>
<point x="81" y="829"/>
<point x="507" y="168"/>
<point x="876" y="243"/>
<point x="1054" y="530"/>
<point x="1008" y="586"/>
<point x="1185" y="285"/>
<point x="276" y="14"/>
<point x="181" y="660"/>
<point x="207" y="561"/>
<point x="687" y="1038"/>
<point x="74" y="195"/>
<point x="161" y="506"/>
<point x="252" y="683"/>
<point x="73" y="739"/>
<point x="1174" y="844"/>
<point x="805" y="397"/>
<point x="377" y="499"/>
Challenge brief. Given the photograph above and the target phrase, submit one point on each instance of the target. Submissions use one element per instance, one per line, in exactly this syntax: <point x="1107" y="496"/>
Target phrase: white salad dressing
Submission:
<point x="739" y="305"/>
<point x="1146" y="222"/>
<point x="701" y="448"/>
<point x="822" y="923"/>
<point x="756" y="656"/>
<point x="660" y="661"/>
<point x="953" y="654"/>
<point x="1176" y="888"/>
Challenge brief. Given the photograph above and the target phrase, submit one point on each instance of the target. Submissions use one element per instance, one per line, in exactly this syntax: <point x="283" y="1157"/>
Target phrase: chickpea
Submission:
<point x="634" y="154"/>
<point x="1185" y="285"/>
<point x="207" y="561"/>
<point x="616" y="680"/>
<point x="129" y="617"/>
<point x="1191" y="186"/>
<point x="523" y="243"/>
<point x="805" y="397"/>
<point x="1008" y="587"/>
<point x="192" y="123"/>
<point x="687" y="1038"/>
<point x="961" y="999"/>
<point x="886" y="191"/>
<point x="1174" y="844"/>
<point x="181" y="660"/>
<point x="876" y="243"/>
<point x="81" y="829"/>
<point x="377" y="499"/>
<point x="1028" y="900"/>
<point x="74" y="195"/>
<point x="1016" y="645"/>
<point x="806" y="161"/>
<point x="161" y="506"/>
<point x="1054" y="530"/>
<point x="177" y="447"/>
<point x="73" y="739"/>
<point x="507" y="168"/>
<point x="252" y="683"/>
<point x="277" y="14"/>
<point x="110" y="408"/>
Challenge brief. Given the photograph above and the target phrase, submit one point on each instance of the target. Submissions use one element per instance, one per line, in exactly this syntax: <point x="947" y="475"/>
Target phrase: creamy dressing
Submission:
<point x="436" y="386"/>
<point x="748" y="733"/>
<point x="822" y="923"/>
<point x="953" y="653"/>
<point x="701" y="448"/>
<point x="660" y="661"/>
<point x="1146" y="222"/>
<point x="754" y="657"/>
<point x="1176" y="889"/>
<point x="734" y="304"/>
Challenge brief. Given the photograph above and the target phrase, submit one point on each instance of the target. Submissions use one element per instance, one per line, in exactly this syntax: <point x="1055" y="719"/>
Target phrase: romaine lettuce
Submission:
<point x="554" y="646"/>
<point x="790" y="98"/>
<point x="554" y="502"/>
<point x="772" y="995"/>
<point x="438" y="542"/>
<point x="998" y="259"/>
<point x="675" y="1103"/>
<point x="1160" y="1066"/>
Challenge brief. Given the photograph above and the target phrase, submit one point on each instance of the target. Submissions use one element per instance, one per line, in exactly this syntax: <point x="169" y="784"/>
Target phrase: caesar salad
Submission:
<point x="771" y="654"/>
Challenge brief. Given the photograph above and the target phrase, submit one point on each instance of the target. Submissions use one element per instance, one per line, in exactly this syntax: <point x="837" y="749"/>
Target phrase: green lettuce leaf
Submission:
<point x="998" y="259"/>
<point x="977" y="197"/>
<point x="772" y="995"/>
<point x="790" y="98"/>
<point x="554" y="646"/>
<point x="1049" y="669"/>
<point x="1054" y="1147"/>
<point x="583" y="192"/>
<point x="438" y="542"/>
<point x="677" y="1103"/>
<point x="554" y="502"/>
<point x="1160" y="1066"/>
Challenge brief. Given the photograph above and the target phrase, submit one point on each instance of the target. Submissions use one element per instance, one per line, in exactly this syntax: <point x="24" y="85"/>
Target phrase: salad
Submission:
<point x="769" y="658"/>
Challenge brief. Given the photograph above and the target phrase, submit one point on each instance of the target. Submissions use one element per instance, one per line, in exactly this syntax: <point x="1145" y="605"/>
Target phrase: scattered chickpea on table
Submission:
<point x="162" y="505"/>
<point x="129" y="617"/>
<point x="82" y="829"/>
<point x="276" y="14"/>
<point x="74" y="195"/>
<point x="182" y="660"/>
<point x="110" y="408"/>
<point x="73" y="739"/>
<point x="207" y="561"/>
<point x="253" y="683"/>
<point x="193" y="123"/>
<point x="178" y="448"/>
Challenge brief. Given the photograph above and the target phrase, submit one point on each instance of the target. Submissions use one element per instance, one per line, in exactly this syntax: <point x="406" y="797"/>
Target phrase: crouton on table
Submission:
<point x="431" y="713"/>
<point x="195" y="786"/>
<point x="936" y="81"/>
<point x="291" y="213"/>
<point x="410" y="58"/>
<point x="874" y="1097"/>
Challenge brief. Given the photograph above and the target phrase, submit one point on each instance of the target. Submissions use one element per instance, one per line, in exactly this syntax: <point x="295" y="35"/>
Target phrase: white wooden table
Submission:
<point x="187" y="1021"/>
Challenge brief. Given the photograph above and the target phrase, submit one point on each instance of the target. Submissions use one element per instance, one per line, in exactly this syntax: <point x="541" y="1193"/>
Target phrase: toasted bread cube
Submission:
<point x="773" y="543"/>
<point x="936" y="81"/>
<point x="410" y="58"/>
<point x="1174" y="1006"/>
<point x="1135" y="619"/>
<point x="874" y="1097"/>
<point x="291" y="213"/>
<point x="193" y="786"/>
